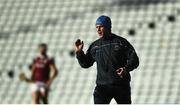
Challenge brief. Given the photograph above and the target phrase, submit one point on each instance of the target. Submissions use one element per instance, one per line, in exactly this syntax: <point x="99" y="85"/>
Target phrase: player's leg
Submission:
<point x="44" y="93"/>
<point x="36" y="97"/>
<point x="35" y="93"/>
<point x="102" y="95"/>
<point x="123" y="100"/>
<point x="122" y="94"/>
<point x="44" y="97"/>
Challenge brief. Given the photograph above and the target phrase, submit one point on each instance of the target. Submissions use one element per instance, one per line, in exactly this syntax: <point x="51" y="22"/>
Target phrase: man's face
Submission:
<point x="100" y="30"/>
<point x="42" y="50"/>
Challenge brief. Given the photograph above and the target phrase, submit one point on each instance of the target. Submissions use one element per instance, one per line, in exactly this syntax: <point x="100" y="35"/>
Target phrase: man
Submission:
<point x="115" y="58"/>
<point x="42" y="67"/>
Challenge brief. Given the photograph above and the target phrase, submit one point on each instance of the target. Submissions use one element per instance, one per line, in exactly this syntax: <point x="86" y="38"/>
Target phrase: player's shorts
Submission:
<point x="38" y="87"/>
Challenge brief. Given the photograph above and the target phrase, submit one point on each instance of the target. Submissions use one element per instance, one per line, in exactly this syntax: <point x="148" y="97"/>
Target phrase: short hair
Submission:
<point x="44" y="45"/>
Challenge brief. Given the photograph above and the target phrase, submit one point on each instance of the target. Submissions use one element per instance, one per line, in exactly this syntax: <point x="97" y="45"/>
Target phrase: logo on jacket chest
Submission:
<point x="116" y="47"/>
<point x="97" y="49"/>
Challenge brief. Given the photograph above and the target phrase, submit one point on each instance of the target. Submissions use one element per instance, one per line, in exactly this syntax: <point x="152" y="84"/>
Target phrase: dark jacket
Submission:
<point x="110" y="54"/>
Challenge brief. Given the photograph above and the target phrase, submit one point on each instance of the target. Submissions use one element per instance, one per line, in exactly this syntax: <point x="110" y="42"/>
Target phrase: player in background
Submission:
<point x="44" y="72"/>
<point x="115" y="58"/>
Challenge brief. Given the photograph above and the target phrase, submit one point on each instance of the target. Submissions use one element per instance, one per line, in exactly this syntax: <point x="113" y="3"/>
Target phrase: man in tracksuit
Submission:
<point x="115" y="58"/>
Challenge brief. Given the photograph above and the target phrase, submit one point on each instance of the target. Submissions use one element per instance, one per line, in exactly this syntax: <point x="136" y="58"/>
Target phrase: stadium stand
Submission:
<point x="152" y="26"/>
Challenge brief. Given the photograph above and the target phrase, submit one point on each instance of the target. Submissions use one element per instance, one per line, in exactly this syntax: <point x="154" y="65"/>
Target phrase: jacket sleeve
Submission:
<point x="85" y="60"/>
<point x="132" y="58"/>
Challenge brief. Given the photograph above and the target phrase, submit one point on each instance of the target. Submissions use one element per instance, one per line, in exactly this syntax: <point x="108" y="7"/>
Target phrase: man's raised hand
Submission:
<point x="78" y="45"/>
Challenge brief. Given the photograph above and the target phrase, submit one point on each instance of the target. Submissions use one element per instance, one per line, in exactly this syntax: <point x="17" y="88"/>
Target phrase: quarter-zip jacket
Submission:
<point x="110" y="54"/>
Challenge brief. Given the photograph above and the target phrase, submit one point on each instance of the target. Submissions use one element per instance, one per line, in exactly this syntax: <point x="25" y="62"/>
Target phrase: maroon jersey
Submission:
<point x="42" y="68"/>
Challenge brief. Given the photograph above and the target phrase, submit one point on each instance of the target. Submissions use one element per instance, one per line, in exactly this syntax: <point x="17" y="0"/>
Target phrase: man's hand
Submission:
<point x="78" y="45"/>
<point x="121" y="72"/>
<point x="48" y="83"/>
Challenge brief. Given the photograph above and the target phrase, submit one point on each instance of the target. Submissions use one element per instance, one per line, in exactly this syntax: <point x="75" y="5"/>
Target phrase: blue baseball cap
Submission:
<point x="105" y="21"/>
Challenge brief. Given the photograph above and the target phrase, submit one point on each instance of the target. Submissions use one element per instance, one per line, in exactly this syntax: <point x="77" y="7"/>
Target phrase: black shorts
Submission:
<point x="104" y="93"/>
